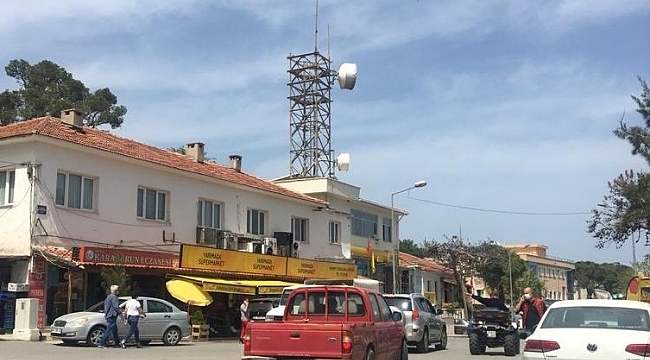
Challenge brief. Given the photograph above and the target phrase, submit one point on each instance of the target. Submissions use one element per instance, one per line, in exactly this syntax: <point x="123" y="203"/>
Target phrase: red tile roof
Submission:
<point x="102" y="140"/>
<point x="406" y="259"/>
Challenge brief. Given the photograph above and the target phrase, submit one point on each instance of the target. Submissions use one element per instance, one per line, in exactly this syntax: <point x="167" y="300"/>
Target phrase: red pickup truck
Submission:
<point x="330" y="322"/>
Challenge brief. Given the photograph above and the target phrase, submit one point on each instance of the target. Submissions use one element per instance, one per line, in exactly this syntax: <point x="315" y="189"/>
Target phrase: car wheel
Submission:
<point x="443" y="340"/>
<point x="370" y="354"/>
<point x="423" y="345"/>
<point x="172" y="336"/>
<point x="404" y="352"/>
<point x="474" y="344"/>
<point x="95" y="336"/>
<point x="510" y="344"/>
<point x="70" y="342"/>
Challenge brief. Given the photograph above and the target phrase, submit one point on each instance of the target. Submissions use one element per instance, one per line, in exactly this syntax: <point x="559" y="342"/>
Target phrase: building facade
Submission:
<point x="74" y="200"/>
<point x="557" y="274"/>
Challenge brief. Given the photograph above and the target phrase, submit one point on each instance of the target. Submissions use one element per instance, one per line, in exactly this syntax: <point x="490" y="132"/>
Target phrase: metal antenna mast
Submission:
<point x="310" y="85"/>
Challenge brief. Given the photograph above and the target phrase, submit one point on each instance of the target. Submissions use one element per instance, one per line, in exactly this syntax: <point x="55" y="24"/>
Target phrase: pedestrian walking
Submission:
<point x="111" y="312"/>
<point x="133" y="312"/>
<point x="244" y="315"/>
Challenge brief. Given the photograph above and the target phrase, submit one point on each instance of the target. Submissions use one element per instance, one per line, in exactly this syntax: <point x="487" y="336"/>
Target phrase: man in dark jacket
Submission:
<point x="492" y="302"/>
<point x="111" y="312"/>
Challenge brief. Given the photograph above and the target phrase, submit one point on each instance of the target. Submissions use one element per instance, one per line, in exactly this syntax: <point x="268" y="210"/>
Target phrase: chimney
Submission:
<point x="195" y="151"/>
<point x="73" y="117"/>
<point x="235" y="162"/>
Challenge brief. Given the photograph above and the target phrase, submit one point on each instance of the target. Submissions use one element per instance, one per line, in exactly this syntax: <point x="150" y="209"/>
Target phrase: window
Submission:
<point x="158" y="307"/>
<point x="335" y="232"/>
<point x="209" y="214"/>
<point x="387" y="230"/>
<point x="7" y="186"/>
<point x="300" y="229"/>
<point x="363" y="223"/>
<point x="255" y="222"/>
<point x="75" y="191"/>
<point x="152" y="204"/>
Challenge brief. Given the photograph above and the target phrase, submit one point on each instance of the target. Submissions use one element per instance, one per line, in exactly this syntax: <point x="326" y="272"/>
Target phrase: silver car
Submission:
<point x="164" y="322"/>
<point x="422" y="321"/>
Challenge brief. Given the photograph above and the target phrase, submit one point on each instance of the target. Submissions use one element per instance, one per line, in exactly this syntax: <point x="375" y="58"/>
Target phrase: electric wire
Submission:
<point x="572" y="213"/>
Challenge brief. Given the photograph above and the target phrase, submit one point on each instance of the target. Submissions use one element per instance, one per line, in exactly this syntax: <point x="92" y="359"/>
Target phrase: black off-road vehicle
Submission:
<point x="492" y="327"/>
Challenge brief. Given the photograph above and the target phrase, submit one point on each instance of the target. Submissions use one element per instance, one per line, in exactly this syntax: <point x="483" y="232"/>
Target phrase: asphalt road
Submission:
<point x="457" y="349"/>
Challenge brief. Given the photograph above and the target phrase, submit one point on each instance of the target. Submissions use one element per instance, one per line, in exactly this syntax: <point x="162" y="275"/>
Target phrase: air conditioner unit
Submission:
<point x="256" y="247"/>
<point x="231" y="243"/>
<point x="206" y="236"/>
<point x="270" y="246"/>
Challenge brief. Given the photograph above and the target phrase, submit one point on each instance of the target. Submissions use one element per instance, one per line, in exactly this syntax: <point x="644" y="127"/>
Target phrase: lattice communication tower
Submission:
<point x="310" y="85"/>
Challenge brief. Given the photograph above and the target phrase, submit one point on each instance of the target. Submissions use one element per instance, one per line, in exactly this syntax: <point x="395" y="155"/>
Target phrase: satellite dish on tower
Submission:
<point x="347" y="76"/>
<point x="343" y="162"/>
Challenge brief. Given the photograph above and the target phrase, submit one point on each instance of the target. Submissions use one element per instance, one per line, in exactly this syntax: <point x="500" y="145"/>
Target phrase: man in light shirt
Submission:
<point x="132" y="311"/>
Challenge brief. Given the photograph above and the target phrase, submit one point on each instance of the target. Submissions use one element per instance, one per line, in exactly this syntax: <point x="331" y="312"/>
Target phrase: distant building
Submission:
<point x="558" y="274"/>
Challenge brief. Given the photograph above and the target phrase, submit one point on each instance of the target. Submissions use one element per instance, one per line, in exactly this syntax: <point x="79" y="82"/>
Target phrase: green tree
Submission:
<point x="612" y="277"/>
<point x="115" y="275"/>
<point x="586" y="276"/>
<point x="497" y="265"/>
<point x="644" y="266"/>
<point x="411" y="247"/>
<point x="531" y="280"/>
<point x="625" y="211"/>
<point x="48" y="88"/>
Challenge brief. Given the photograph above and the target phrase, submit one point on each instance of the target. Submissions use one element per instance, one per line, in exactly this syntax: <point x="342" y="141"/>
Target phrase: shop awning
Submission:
<point x="449" y="281"/>
<point x="247" y="287"/>
<point x="268" y="287"/>
<point x="221" y="285"/>
<point x="382" y="256"/>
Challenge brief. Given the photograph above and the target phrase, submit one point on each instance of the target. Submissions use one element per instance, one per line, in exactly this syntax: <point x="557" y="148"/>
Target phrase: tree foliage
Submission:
<point x="411" y="247"/>
<point x="531" y="280"/>
<point x="625" y="211"/>
<point x="612" y="277"/>
<point x="497" y="265"/>
<point x="48" y="88"/>
<point x="115" y="275"/>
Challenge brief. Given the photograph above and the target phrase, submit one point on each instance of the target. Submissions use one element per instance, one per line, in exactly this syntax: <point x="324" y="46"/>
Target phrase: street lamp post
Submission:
<point x="393" y="231"/>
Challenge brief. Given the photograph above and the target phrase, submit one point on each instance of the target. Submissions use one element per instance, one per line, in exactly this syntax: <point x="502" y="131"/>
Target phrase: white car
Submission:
<point x="592" y="329"/>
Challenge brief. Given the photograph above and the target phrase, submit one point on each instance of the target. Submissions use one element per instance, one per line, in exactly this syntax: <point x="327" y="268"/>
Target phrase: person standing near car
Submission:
<point x="243" y="316"/>
<point x="532" y="309"/>
<point x="132" y="311"/>
<point x="111" y="312"/>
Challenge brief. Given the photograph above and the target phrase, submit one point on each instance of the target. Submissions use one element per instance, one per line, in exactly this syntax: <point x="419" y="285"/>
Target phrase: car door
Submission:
<point x="426" y="311"/>
<point x="393" y="334"/>
<point x="383" y="344"/>
<point x="159" y="315"/>
<point x="436" y="319"/>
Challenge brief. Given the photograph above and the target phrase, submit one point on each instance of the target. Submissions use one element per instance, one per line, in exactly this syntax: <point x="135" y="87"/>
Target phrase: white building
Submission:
<point x="64" y="186"/>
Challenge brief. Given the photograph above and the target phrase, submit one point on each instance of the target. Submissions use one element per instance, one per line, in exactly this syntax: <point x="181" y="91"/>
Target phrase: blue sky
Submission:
<point x="499" y="105"/>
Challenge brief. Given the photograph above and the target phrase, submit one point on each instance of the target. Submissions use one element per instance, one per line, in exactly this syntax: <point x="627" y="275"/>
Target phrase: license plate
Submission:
<point x="491" y="334"/>
<point x="55" y="331"/>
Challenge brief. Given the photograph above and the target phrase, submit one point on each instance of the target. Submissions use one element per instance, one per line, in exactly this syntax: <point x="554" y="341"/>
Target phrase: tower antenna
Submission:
<point x="316" y="29"/>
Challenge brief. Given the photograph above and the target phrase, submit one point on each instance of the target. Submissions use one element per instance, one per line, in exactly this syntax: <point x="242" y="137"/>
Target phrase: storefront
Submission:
<point x="67" y="280"/>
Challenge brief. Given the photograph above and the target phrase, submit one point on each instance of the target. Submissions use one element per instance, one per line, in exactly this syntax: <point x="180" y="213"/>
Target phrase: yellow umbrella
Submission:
<point x="188" y="292"/>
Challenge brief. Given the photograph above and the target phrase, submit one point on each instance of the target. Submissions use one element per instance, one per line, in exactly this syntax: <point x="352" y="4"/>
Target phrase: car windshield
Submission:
<point x="403" y="304"/>
<point x="264" y="306"/>
<point x="284" y="297"/>
<point x="598" y="317"/>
